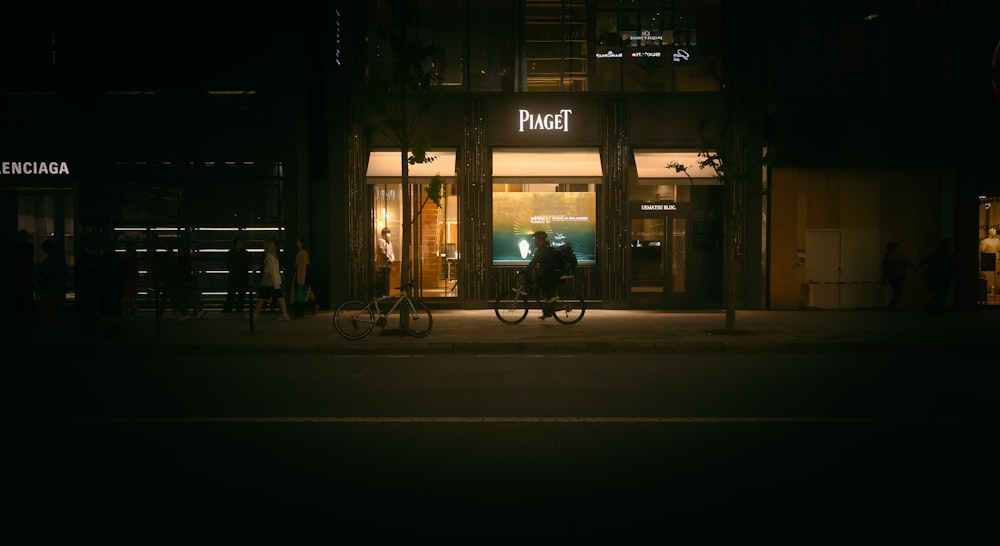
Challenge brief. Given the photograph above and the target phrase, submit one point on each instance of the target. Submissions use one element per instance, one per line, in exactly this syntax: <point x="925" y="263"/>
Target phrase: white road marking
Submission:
<point x="489" y="420"/>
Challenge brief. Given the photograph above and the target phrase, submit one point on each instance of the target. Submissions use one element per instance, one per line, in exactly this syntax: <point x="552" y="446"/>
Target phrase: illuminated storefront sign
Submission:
<point x="544" y="122"/>
<point x="658" y="206"/>
<point x="523" y="122"/>
<point x="644" y="38"/>
<point x="33" y="167"/>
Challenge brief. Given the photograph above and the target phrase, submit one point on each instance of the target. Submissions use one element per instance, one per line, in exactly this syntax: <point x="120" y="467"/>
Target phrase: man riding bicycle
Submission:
<point x="548" y="271"/>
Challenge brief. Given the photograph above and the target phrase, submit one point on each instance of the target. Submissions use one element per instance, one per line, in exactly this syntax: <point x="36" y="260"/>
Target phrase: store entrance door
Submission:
<point x="657" y="261"/>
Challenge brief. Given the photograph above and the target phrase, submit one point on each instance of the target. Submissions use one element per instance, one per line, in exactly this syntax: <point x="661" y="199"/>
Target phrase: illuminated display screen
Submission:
<point x="565" y="216"/>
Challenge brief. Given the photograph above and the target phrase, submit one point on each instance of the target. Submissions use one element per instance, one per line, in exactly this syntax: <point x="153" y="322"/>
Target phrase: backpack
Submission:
<point x="565" y="257"/>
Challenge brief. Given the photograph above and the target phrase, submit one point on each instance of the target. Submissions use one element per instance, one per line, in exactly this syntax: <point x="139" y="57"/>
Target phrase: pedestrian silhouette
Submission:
<point x="52" y="283"/>
<point x="188" y="297"/>
<point x="938" y="275"/>
<point x="24" y="276"/>
<point x="301" y="293"/>
<point x="238" y="262"/>
<point x="270" y="281"/>
<point x="894" y="266"/>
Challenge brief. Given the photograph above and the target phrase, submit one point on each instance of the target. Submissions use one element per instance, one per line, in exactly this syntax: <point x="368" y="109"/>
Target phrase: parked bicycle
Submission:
<point x="355" y="319"/>
<point x="511" y="306"/>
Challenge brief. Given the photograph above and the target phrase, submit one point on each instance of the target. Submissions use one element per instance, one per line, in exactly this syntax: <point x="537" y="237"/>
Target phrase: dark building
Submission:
<point x="566" y="116"/>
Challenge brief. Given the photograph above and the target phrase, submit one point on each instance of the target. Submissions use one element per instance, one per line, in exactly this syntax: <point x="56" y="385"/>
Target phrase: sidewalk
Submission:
<point x="606" y="331"/>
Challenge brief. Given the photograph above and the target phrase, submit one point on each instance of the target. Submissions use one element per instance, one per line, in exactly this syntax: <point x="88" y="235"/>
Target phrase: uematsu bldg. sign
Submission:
<point x="33" y="168"/>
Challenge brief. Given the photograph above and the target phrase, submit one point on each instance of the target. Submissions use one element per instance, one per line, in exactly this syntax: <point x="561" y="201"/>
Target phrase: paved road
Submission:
<point x="749" y="448"/>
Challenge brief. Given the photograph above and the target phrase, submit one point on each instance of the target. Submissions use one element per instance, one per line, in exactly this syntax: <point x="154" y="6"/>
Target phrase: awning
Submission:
<point x="580" y="165"/>
<point x="652" y="169"/>
<point x="384" y="167"/>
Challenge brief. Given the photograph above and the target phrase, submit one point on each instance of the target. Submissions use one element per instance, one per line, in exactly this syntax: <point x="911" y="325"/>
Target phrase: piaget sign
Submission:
<point x="33" y="167"/>
<point x="543" y="121"/>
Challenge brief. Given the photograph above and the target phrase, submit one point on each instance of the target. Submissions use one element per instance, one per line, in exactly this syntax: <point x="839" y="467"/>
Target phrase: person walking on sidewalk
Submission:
<point x="238" y="261"/>
<point x="301" y="289"/>
<point x="187" y="292"/>
<point x="24" y="276"/>
<point x="270" y="282"/>
<point x="52" y="273"/>
<point x="938" y="275"/>
<point x="894" y="266"/>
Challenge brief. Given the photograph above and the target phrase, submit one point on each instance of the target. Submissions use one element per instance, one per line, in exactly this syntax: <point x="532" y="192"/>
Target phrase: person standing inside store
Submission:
<point x="384" y="256"/>
<point x="548" y="270"/>
<point x="238" y="262"/>
<point x="894" y="266"/>
<point x="270" y="282"/>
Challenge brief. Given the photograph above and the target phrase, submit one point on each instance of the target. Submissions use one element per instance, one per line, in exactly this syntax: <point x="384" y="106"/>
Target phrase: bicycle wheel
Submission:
<point x="570" y="307"/>
<point x="511" y="306"/>
<point x="416" y="318"/>
<point x="354" y="319"/>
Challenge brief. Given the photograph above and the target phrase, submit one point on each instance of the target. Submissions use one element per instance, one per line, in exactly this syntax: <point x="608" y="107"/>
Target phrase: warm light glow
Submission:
<point x="555" y="163"/>
<point x="386" y="164"/>
<point x="651" y="166"/>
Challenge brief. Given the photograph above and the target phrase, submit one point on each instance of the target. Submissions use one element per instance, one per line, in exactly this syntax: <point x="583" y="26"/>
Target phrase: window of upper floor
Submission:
<point x="576" y="46"/>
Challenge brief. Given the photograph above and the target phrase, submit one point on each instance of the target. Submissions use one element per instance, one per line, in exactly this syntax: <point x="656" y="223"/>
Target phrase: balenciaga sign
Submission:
<point x="33" y="167"/>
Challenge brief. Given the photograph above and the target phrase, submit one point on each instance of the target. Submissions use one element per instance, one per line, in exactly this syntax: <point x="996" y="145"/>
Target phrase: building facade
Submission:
<point x="569" y="116"/>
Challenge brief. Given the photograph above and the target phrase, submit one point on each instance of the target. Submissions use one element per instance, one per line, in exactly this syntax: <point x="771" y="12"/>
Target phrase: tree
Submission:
<point x="725" y="160"/>
<point x="398" y="99"/>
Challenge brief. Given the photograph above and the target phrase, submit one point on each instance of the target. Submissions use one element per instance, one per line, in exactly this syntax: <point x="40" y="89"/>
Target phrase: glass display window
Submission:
<point x="988" y="292"/>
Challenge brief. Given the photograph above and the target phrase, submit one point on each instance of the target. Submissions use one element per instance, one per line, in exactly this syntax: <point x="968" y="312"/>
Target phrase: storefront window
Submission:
<point x="567" y="212"/>
<point x="652" y="46"/>
<point x="989" y="247"/>
<point x="434" y="230"/>
<point x="555" y="46"/>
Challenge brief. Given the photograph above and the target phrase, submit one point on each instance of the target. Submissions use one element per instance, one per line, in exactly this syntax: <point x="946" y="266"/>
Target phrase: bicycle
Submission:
<point x="511" y="306"/>
<point x="355" y="319"/>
